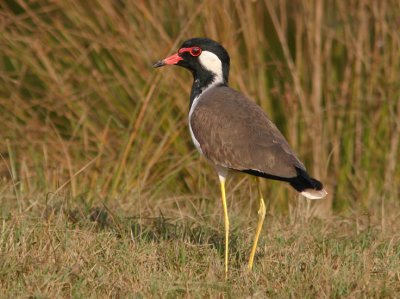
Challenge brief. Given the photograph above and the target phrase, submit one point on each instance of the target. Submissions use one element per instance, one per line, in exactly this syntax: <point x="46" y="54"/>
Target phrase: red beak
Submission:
<point x="173" y="59"/>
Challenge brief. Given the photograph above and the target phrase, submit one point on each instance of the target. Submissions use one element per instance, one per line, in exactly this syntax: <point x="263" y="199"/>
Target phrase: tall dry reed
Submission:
<point x="84" y="114"/>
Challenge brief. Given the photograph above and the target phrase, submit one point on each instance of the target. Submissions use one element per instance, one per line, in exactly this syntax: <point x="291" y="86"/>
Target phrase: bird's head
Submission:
<point x="204" y="57"/>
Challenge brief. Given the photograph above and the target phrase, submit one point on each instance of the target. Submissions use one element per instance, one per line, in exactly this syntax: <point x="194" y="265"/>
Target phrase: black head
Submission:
<point x="206" y="59"/>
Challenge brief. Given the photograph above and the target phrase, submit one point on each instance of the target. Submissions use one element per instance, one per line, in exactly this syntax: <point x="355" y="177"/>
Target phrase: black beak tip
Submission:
<point x="159" y="63"/>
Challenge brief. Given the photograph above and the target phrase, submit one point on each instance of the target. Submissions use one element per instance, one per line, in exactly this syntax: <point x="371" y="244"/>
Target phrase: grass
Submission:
<point x="59" y="251"/>
<point x="102" y="192"/>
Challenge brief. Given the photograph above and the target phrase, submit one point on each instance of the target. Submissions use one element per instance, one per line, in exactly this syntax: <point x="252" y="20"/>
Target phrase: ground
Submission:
<point x="51" y="250"/>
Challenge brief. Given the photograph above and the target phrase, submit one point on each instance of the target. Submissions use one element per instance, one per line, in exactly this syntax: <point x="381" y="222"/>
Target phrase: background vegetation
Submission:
<point x="103" y="194"/>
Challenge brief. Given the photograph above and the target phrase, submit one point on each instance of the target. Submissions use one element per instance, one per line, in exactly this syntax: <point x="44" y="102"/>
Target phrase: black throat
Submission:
<point x="203" y="80"/>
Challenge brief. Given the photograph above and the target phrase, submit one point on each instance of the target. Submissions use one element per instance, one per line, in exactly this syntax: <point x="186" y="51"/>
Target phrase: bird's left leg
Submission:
<point x="261" y="217"/>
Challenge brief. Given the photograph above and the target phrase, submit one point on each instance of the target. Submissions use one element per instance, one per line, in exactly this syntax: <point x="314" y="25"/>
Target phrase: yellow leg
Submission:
<point x="226" y="218"/>
<point x="261" y="217"/>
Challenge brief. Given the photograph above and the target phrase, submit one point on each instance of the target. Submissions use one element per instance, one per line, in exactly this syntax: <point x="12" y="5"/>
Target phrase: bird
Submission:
<point x="233" y="133"/>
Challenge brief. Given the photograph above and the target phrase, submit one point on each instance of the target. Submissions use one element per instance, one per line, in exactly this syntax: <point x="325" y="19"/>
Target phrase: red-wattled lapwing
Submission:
<point x="234" y="133"/>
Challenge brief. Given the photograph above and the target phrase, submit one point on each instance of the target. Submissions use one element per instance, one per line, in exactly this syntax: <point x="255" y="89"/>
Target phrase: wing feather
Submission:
<point x="236" y="133"/>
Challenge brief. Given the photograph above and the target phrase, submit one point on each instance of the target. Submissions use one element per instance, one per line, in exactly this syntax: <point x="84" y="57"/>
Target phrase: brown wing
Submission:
<point x="236" y="133"/>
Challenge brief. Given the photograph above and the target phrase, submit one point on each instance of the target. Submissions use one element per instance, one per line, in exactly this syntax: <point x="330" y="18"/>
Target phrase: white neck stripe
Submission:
<point x="212" y="63"/>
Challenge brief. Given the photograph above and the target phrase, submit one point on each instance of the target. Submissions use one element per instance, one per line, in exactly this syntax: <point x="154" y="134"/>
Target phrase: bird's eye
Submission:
<point x="195" y="51"/>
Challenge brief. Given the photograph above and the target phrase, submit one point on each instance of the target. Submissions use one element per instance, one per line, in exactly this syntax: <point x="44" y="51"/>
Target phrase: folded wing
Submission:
<point x="236" y="133"/>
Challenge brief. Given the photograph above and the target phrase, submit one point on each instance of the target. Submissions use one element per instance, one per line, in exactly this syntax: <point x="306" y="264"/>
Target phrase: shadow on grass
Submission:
<point x="160" y="229"/>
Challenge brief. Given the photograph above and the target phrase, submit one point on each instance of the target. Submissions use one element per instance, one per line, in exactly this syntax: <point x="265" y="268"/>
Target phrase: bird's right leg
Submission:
<point x="226" y="219"/>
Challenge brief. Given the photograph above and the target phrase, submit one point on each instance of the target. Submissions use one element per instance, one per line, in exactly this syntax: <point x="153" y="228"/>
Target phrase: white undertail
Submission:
<point x="314" y="194"/>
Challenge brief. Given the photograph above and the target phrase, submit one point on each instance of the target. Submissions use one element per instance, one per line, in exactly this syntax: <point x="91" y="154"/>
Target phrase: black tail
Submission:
<point x="307" y="186"/>
<point x="303" y="181"/>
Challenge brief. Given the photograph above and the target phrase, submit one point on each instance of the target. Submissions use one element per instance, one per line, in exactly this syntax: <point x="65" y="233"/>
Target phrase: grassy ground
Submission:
<point x="57" y="251"/>
<point x="103" y="194"/>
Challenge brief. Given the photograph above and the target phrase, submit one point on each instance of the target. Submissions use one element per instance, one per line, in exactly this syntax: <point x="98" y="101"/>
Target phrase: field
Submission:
<point x="102" y="193"/>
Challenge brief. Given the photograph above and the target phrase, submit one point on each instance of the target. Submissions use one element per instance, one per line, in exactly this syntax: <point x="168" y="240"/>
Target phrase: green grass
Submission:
<point x="87" y="125"/>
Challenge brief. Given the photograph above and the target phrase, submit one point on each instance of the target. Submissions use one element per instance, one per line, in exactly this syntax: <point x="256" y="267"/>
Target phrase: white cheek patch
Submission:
<point x="211" y="62"/>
